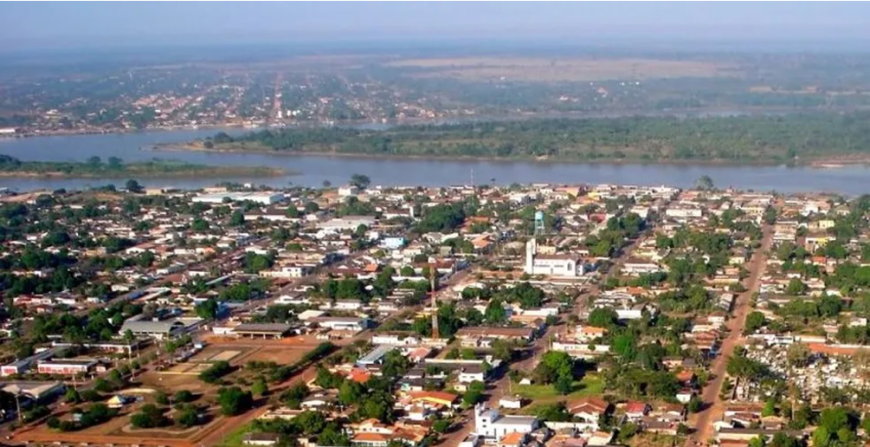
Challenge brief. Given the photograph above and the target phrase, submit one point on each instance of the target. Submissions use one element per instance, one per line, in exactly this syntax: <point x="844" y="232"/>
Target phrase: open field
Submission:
<point x="184" y="378"/>
<point x="118" y="431"/>
<point x="655" y="440"/>
<point x="223" y="342"/>
<point x="590" y="385"/>
<point x="279" y="355"/>
<point x="216" y="353"/>
<point x="561" y="69"/>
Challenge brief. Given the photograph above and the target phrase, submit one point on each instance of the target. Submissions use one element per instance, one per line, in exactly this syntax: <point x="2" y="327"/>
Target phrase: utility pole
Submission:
<point x="18" y="405"/>
<point x="432" y="272"/>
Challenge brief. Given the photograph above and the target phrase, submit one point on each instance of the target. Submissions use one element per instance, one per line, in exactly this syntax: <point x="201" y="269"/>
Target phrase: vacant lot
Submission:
<point x="279" y="355"/>
<point x="216" y="353"/>
<point x="184" y="378"/>
<point x="590" y="385"/>
<point x="560" y="69"/>
<point x="118" y="431"/>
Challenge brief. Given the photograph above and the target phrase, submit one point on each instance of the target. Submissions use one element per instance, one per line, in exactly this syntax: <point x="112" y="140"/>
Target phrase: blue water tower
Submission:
<point x="539" y="222"/>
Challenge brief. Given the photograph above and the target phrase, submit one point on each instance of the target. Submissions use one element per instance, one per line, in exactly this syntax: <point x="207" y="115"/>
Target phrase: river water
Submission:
<point x="849" y="180"/>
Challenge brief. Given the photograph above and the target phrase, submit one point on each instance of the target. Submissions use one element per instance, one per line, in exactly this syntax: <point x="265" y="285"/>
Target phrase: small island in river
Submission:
<point x="799" y="139"/>
<point x="94" y="167"/>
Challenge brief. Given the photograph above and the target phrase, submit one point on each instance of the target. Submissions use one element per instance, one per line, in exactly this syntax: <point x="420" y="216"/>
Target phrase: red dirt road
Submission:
<point x="714" y="407"/>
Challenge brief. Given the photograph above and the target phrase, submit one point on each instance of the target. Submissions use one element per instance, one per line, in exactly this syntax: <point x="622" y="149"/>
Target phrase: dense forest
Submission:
<point x="115" y="167"/>
<point x="738" y="139"/>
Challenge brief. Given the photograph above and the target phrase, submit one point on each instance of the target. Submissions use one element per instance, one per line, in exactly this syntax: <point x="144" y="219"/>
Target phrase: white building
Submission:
<point x="288" y="271"/>
<point x="491" y="424"/>
<point x="512" y="402"/>
<point x="564" y="265"/>
<point x="266" y="198"/>
<point x="347" y="223"/>
<point x="348" y="191"/>
<point x="640" y="267"/>
<point x="395" y="340"/>
<point x="342" y="323"/>
<point x="684" y="212"/>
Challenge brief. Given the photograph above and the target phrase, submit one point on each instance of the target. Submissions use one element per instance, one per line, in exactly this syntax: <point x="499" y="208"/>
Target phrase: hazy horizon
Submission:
<point x="31" y="26"/>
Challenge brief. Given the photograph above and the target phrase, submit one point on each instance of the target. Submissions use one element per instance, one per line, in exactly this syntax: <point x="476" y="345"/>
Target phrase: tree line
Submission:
<point x="734" y="139"/>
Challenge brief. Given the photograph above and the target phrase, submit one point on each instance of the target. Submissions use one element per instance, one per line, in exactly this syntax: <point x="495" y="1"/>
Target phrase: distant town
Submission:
<point x="41" y="98"/>
<point x="360" y="315"/>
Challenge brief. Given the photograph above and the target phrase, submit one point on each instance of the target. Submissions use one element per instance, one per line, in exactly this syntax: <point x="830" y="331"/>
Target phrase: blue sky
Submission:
<point x="38" y="24"/>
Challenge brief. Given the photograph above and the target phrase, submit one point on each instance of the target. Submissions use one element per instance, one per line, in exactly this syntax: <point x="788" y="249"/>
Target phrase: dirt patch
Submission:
<point x="561" y="69"/>
<point x="220" y="352"/>
<point x="23" y="198"/>
<point x="170" y="382"/>
<point x="279" y="355"/>
<point x="224" y="356"/>
<point x="181" y="368"/>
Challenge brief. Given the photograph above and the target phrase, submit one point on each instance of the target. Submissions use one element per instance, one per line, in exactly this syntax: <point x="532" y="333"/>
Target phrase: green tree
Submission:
<point x="704" y="183"/>
<point x="836" y="418"/>
<point x="495" y="313"/>
<point x="208" y="309"/>
<point x="395" y="364"/>
<point x="237" y="219"/>
<point x="188" y="417"/>
<point x="754" y="322"/>
<point x="199" y="225"/>
<point x="350" y="392"/>
<point x="213" y="373"/>
<point x="798" y="355"/>
<point x="233" y="401"/>
<point x="360" y="181"/>
<point x="796" y="287"/>
<point x="602" y="317"/>
<point x="183" y="396"/>
<point x="502" y="350"/>
<point x="260" y="388"/>
<point x="149" y="416"/>
<point x="72" y="396"/>
<point x="133" y="186"/>
<point x="769" y="408"/>
<point x="474" y="394"/>
<point x="821" y="437"/>
<point x="626" y="346"/>
<point x="564" y="385"/>
<point x="441" y="426"/>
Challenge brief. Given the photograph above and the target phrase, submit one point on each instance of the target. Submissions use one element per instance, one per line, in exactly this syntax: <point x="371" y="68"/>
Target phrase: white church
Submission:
<point x="566" y="265"/>
<point x="492" y="425"/>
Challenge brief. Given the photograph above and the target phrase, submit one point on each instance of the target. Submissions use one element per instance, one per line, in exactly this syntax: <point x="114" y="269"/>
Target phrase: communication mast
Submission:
<point x="432" y="272"/>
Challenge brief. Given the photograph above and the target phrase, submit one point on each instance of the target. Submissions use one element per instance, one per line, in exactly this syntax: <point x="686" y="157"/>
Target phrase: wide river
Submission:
<point x="314" y="170"/>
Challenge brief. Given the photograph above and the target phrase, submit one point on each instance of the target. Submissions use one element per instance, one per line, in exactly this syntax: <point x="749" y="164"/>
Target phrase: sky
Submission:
<point x="30" y="25"/>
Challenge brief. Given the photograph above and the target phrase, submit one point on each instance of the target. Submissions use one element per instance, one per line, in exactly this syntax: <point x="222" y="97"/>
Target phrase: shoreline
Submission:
<point x="835" y="162"/>
<point x="678" y="113"/>
<point x="206" y="173"/>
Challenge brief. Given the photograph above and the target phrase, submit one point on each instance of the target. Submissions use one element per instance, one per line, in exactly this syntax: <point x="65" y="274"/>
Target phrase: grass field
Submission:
<point x="234" y="439"/>
<point x="561" y="69"/>
<point x="655" y="440"/>
<point x="590" y="385"/>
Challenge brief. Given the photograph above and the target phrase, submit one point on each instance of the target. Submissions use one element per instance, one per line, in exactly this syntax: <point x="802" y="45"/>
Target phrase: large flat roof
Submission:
<point x="263" y="328"/>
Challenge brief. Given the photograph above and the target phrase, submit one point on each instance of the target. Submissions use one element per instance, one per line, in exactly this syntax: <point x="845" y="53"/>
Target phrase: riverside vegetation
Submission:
<point x="94" y="167"/>
<point x="741" y="139"/>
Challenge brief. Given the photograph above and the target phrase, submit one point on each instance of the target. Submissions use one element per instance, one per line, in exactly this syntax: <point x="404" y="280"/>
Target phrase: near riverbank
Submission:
<point x="12" y="167"/>
<point x="833" y="162"/>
